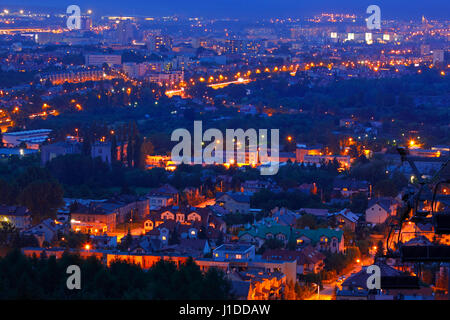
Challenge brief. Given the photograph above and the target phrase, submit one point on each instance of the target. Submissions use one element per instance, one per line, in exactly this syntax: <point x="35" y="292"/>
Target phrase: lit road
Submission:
<point x="327" y="292"/>
<point x="245" y="77"/>
<point x="209" y="202"/>
<point x="219" y="85"/>
<point x="31" y="30"/>
<point x="224" y="84"/>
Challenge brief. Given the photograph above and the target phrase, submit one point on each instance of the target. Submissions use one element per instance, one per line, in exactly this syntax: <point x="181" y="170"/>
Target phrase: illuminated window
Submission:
<point x="238" y="256"/>
<point x="334" y="35"/>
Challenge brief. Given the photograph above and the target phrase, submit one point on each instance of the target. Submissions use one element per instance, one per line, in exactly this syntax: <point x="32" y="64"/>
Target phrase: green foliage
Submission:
<point x="8" y="192"/>
<point x="385" y="188"/>
<point x="45" y="278"/>
<point x="380" y="249"/>
<point x="42" y="198"/>
<point x="358" y="203"/>
<point x="364" y="246"/>
<point x="271" y="244"/>
<point x="12" y="78"/>
<point x="74" y="240"/>
<point x="307" y="221"/>
<point x="294" y="200"/>
<point x="6" y="231"/>
<point x="310" y="278"/>
<point x="22" y="182"/>
<point x="78" y="169"/>
<point x="238" y="218"/>
<point x="340" y="261"/>
<point x="372" y="171"/>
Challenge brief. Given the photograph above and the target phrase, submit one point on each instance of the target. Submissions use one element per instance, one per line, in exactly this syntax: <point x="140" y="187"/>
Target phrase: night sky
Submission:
<point x="406" y="9"/>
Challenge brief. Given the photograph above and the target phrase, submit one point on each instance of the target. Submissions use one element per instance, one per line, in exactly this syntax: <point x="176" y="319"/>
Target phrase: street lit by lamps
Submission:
<point x="318" y="290"/>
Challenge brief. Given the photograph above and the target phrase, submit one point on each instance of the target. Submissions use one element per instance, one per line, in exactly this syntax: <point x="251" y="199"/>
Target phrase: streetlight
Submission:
<point x="318" y="290"/>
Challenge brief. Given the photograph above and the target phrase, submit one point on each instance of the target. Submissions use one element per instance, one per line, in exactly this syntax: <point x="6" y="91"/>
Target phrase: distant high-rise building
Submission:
<point x="125" y="32"/>
<point x="234" y="46"/>
<point x="438" y="56"/>
<point x="158" y="42"/>
<point x="166" y="78"/>
<point x="86" y="23"/>
<point x="100" y="59"/>
<point x="424" y="49"/>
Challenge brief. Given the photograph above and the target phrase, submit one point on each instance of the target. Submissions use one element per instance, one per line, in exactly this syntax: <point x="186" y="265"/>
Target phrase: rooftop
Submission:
<point x="234" y="247"/>
<point x="20" y="133"/>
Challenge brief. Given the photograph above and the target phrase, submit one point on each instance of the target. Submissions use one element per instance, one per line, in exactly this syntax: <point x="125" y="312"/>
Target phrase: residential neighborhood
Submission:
<point x="231" y="151"/>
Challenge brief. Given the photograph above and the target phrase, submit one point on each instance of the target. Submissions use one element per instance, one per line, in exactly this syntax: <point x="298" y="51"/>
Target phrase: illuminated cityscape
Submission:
<point x="91" y="104"/>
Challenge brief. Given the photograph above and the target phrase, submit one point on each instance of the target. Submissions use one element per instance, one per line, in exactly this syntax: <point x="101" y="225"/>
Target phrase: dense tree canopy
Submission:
<point x="45" y="278"/>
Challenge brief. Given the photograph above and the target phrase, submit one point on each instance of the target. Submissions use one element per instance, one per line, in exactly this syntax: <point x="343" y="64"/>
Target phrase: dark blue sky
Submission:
<point x="250" y="8"/>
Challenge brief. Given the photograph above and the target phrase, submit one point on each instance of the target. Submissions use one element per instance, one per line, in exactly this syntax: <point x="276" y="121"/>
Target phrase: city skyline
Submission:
<point x="251" y="8"/>
<point x="195" y="151"/>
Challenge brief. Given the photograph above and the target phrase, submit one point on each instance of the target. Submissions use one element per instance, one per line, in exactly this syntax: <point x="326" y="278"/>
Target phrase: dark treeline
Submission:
<point x="41" y="189"/>
<point x="45" y="278"/>
<point x="295" y="200"/>
<point x="23" y="182"/>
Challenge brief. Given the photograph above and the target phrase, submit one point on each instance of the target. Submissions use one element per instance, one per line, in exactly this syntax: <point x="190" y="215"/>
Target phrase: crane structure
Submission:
<point x="420" y="205"/>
